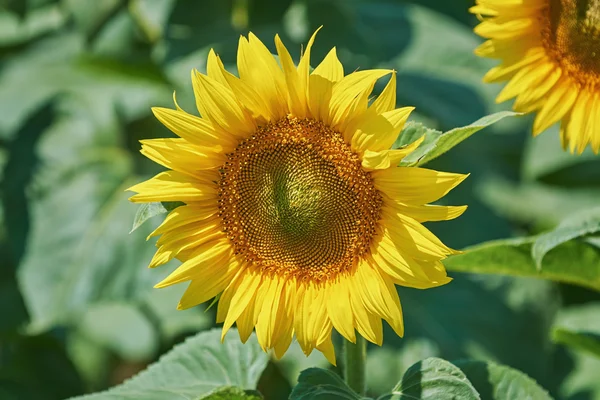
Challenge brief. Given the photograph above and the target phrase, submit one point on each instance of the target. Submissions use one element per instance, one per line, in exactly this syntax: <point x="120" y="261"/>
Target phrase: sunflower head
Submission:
<point x="296" y="214"/>
<point x="550" y="52"/>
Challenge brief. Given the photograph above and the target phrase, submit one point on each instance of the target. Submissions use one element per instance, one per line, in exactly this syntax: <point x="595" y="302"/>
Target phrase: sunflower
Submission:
<point x="550" y="52"/>
<point x="296" y="215"/>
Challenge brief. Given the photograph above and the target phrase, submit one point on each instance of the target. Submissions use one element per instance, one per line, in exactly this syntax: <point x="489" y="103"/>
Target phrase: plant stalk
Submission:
<point x="355" y="358"/>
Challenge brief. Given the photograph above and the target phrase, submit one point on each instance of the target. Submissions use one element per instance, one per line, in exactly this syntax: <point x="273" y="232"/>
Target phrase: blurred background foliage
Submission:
<point x="77" y="80"/>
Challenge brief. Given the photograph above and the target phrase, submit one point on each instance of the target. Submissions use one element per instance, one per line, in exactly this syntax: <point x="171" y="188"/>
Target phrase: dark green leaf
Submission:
<point x="586" y="341"/>
<point x="573" y="262"/>
<point x="437" y="143"/>
<point x="583" y="223"/>
<point x="195" y="368"/>
<point x="433" y="379"/>
<point x="36" y="368"/>
<point x="322" y="384"/>
<point x="499" y="382"/>
<point x="544" y="159"/>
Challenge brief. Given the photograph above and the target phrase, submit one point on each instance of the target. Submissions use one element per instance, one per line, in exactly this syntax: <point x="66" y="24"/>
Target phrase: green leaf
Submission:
<point x="583" y="223"/>
<point x="148" y="210"/>
<point x="579" y="327"/>
<point x="36" y="368"/>
<point x="79" y="251"/>
<point x="532" y="203"/>
<point x="437" y="143"/>
<point x="194" y="368"/>
<point x="413" y="131"/>
<point x="578" y="370"/>
<point x="434" y="379"/>
<point x="396" y="362"/>
<point x="322" y="384"/>
<point x="499" y="382"/>
<point x="121" y="328"/>
<point x="446" y="316"/>
<point x="232" y="393"/>
<point x="586" y="341"/>
<point x="574" y="262"/>
<point x="160" y="305"/>
<point x="545" y="160"/>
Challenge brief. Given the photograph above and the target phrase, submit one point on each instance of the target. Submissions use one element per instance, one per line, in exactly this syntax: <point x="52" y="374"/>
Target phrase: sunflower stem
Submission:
<point x="355" y="357"/>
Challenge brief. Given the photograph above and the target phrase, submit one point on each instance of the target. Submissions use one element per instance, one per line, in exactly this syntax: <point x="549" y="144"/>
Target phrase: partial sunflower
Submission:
<point x="295" y="213"/>
<point x="550" y="54"/>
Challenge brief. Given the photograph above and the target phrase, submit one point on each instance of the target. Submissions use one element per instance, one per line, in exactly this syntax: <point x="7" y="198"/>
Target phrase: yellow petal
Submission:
<point x="196" y="238"/>
<point x="526" y="79"/>
<point x="180" y="155"/>
<point x="326" y="347"/>
<point x="243" y="292"/>
<point x="350" y="96"/>
<point x="295" y="89"/>
<point x="373" y="160"/>
<point x="267" y="318"/>
<point x="425" y="213"/>
<point x="185" y="215"/>
<point x="245" y="94"/>
<point x="412" y="237"/>
<point x="386" y="101"/>
<point x="208" y="282"/>
<point x="173" y="186"/>
<point x="320" y="85"/>
<point x="378" y="132"/>
<point x="260" y="71"/>
<point x="218" y="104"/>
<point x="557" y="104"/>
<point x="415" y="185"/>
<point x="196" y="130"/>
<point x="339" y="309"/>
<point x="216" y="255"/>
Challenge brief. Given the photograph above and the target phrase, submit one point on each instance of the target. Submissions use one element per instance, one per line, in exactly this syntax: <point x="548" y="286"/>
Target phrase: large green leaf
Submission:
<point x="322" y="384"/>
<point x="573" y="262"/>
<point x="499" y="382"/>
<point x="581" y="224"/>
<point x="532" y="203"/>
<point x="437" y="143"/>
<point x="79" y="251"/>
<point x="522" y="309"/>
<point x="121" y="328"/>
<point x="577" y="367"/>
<point x="433" y="379"/>
<point x="195" y="368"/>
<point x="396" y="362"/>
<point x="579" y="327"/>
<point x="586" y="341"/>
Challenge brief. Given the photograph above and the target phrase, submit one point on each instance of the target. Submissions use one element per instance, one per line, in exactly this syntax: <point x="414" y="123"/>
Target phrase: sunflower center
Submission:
<point x="571" y="35"/>
<point x="294" y="199"/>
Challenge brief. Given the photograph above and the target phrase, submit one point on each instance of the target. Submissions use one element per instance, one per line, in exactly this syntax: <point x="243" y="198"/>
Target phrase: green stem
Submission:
<point x="355" y="357"/>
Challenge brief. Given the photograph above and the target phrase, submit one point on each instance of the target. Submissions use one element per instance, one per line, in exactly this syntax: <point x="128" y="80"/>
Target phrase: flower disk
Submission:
<point x="550" y="52"/>
<point x="295" y="200"/>
<point x="296" y="214"/>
